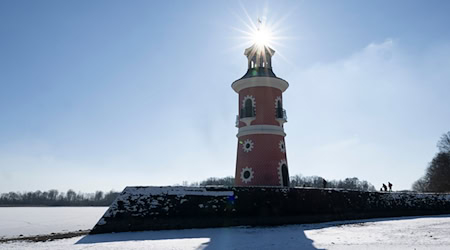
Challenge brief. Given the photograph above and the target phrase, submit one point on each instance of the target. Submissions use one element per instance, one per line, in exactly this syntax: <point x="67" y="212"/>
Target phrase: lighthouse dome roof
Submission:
<point x="259" y="71"/>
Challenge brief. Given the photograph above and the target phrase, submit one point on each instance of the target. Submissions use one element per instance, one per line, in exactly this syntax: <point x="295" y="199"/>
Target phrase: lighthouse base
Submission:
<point x="158" y="208"/>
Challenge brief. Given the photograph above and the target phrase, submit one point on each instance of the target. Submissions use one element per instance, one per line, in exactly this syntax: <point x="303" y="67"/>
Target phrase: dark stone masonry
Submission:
<point x="158" y="208"/>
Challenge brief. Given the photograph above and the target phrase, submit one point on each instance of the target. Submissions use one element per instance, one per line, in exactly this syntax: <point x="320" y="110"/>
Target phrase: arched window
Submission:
<point x="285" y="175"/>
<point x="279" y="110"/>
<point x="248" y="108"/>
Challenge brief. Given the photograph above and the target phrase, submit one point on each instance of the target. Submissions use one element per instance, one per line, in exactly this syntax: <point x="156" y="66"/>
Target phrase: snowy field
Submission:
<point x="26" y="221"/>
<point x="426" y="232"/>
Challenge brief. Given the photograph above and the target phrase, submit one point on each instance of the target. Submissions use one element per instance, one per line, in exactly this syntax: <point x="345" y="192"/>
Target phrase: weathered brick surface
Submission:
<point x="157" y="208"/>
<point x="265" y="104"/>
<point x="264" y="160"/>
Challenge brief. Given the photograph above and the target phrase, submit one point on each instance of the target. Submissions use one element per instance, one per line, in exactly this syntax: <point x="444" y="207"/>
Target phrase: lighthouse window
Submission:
<point x="282" y="146"/>
<point x="248" y="109"/>
<point x="285" y="175"/>
<point x="278" y="103"/>
<point x="279" y="109"/>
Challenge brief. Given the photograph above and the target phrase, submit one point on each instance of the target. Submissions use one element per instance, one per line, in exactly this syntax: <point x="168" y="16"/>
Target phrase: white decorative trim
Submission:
<point x="281" y="121"/>
<point x="251" y="98"/>
<point x="280" y="171"/>
<point x="261" y="129"/>
<point x="259" y="81"/>
<point x="282" y="146"/>
<point x="247" y="146"/>
<point x="278" y="98"/>
<point x="252" y="174"/>
<point x="247" y="120"/>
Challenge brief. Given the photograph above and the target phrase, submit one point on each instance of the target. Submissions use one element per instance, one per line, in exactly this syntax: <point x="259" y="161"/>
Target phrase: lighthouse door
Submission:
<point x="285" y="175"/>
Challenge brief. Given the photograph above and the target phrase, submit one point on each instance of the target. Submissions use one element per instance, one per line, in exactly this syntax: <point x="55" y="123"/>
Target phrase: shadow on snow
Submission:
<point x="284" y="237"/>
<point x="276" y="237"/>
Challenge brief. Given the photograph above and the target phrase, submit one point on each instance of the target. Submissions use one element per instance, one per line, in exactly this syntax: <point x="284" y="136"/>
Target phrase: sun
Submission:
<point x="262" y="33"/>
<point x="262" y="36"/>
<point x="265" y="31"/>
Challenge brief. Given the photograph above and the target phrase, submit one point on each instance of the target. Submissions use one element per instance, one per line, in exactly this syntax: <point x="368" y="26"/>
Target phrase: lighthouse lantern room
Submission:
<point x="261" y="152"/>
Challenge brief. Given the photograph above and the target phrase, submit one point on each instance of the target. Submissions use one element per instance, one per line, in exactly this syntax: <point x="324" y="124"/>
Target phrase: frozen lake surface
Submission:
<point x="424" y="232"/>
<point x="27" y="221"/>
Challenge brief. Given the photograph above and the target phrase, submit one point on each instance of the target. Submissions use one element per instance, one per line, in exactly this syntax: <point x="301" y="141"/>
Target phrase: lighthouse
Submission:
<point x="261" y="151"/>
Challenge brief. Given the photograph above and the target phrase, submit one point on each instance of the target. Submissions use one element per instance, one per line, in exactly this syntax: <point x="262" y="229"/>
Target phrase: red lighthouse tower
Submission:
<point x="261" y="153"/>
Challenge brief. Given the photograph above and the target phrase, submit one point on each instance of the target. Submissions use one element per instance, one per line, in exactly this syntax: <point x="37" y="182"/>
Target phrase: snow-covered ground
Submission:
<point x="15" y="221"/>
<point x="426" y="232"/>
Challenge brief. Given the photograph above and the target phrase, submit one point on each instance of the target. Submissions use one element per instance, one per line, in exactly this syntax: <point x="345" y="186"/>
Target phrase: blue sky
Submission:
<point x="98" y="95"/>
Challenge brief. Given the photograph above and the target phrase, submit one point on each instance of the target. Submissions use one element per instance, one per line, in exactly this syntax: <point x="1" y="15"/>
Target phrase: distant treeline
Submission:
<point x="296" y="181"/>
<point x="55" y="198"/>
<point x="317" y="182"/>
<point x="71" y="198"/>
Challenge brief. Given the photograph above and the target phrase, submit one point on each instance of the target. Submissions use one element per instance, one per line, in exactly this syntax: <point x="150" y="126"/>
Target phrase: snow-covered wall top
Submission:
<point x="155" y="208"/>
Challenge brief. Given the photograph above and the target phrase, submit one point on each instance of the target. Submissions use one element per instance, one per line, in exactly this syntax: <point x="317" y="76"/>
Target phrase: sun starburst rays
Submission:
<point x="260" y="32"/>
<point x="258" y="35"/>
<point x="263" y="33"/>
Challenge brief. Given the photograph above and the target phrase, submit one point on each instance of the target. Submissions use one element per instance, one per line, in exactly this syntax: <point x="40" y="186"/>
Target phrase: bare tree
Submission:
<point x="444" y="143"/>
<point x="421" y="185"/>
<point x="98" y="196"/>
<point x="437" y="175"/>
<point x="53" y="194"/>
<point x="71" y="195"/>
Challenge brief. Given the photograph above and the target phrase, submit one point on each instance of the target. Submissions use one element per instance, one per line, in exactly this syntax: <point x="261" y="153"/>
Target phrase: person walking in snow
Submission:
<point x="384" y="187"/>
<point x="390" y="186"/>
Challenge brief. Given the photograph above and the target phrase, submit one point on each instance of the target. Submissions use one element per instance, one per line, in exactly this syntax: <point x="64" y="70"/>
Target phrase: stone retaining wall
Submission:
<point x="157" y="208"/>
